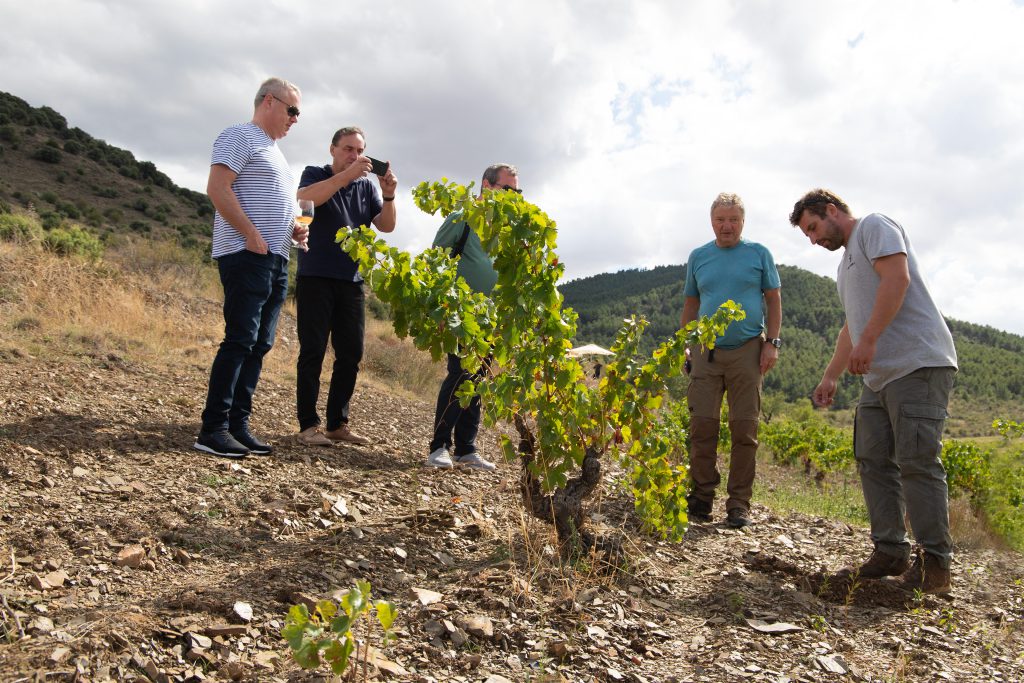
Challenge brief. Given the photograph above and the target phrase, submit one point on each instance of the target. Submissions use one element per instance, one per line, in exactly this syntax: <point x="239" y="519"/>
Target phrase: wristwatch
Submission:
<point x="776" y="342"/>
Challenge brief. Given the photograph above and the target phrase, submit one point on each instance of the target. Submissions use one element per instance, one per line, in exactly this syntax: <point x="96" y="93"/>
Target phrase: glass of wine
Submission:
<point x="305" y="217"/>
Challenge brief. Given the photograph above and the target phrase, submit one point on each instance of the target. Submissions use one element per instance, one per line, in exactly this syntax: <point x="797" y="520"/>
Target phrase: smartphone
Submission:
<point x="378" y="167"/>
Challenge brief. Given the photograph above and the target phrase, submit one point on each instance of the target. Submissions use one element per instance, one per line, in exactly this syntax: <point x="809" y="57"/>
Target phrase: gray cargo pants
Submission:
<point x="897" y="442"/>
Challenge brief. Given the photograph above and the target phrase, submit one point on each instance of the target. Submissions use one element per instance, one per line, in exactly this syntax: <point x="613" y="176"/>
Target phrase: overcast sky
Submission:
<point x="624" y="118"/>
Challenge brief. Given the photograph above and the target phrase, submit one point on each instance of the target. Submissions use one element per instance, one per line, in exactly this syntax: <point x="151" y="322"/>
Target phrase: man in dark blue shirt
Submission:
<point x="329" y="294"/>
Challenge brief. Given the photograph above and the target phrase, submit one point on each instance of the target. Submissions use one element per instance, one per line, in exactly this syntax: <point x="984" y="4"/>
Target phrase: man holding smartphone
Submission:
<point x="329" y="297"/>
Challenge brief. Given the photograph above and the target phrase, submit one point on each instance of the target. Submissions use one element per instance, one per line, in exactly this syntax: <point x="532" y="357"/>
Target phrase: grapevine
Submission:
<point x="522" y="333"/>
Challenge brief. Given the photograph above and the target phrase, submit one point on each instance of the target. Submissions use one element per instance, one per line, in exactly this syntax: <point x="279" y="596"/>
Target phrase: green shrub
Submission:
<point x="16" y="227"/>
<point x="52" y="219"/>
<point x="4" y="207"/>
<point x="49" y="155"/>
<point x="72" y="147"/>
<point x="74" y="241"/>
<point x="8" y="133"/>
<point x="968" y="470"/>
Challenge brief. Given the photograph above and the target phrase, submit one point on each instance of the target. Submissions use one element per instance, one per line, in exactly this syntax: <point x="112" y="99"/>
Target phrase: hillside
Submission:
<point x="991" y="361"/>
<point x="130" y="557"/>
<point x="127" y="556"/>
<point x="66" y="175"/>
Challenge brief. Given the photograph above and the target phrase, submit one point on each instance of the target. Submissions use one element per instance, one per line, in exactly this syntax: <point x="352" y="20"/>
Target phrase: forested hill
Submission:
<point x="991" y="361"/>
<point x="66" y="176"/>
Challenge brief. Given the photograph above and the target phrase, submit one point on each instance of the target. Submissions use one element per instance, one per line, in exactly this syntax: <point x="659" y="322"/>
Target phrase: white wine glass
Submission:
<point x="305" y="217"/>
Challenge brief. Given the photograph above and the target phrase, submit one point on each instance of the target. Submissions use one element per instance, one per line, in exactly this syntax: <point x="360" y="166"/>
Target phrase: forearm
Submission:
<point x="386" y="220"/>
<point x="322" y="191"/>
<point x="773" y="314"/>
<point x="840" y="356"/>
<point x="691" y="308"/>
<point x="227" y="205"/>
<point x="888" y="300"/>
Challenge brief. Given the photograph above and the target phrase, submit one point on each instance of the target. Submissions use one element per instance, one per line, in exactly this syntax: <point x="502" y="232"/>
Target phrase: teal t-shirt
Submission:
<point x="476" y="266"/>
<point x="741" y="273"/>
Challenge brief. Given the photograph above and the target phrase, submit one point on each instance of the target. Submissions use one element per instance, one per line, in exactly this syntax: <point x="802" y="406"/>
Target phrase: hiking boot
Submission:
<point x="698" y="510"/>
<point x="440" y="458"/>
<point x="879" y="565"/>
<point x="343" y="433"/>
<point x="255" y="446"/>
<point x="313" y="436"/>
<point x="475" y="461"/>
<point x="738" y="518"/>
<point x="220" y="444"/>
<point x="927" y="575"/>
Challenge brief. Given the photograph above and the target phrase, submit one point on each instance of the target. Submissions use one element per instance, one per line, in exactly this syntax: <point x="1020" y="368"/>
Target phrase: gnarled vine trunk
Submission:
<point x="563" y="507"/>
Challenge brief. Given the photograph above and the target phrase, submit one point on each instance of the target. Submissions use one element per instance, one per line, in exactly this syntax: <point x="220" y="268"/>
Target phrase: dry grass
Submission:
<point x="154" y="302"/>
<point x="968" y="529"/>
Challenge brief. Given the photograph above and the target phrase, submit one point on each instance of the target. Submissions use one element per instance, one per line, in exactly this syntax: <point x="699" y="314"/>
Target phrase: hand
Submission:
<point x="824" y="392"/>
<point x="256" y="244"/>
<point x="769" y="356"/>
<point x="860" y="357"/>
<point x="300" y="233"/>
<point x="357" y="169"/>
<point x="388" y="182"/>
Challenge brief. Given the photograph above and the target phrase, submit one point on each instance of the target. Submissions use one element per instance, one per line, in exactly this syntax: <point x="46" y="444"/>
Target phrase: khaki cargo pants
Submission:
<point x="735" y="374"/>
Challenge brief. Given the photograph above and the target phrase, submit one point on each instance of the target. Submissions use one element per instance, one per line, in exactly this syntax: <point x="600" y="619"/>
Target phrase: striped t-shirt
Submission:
<point x="265" y="188"/>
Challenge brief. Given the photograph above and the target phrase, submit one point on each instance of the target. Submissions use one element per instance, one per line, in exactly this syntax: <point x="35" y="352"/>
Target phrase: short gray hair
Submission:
<point x="728" y="199"/>
<point x="492" y="172"/>
<point x="274" y="86"/>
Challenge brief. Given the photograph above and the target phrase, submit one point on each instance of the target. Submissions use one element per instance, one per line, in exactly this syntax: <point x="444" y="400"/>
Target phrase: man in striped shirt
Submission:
<point x="252" y="189"/>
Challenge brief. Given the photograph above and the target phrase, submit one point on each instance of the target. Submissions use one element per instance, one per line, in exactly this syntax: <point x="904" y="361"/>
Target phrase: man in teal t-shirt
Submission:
<point x="456" y="427"/>
<point x="729" y="268"/>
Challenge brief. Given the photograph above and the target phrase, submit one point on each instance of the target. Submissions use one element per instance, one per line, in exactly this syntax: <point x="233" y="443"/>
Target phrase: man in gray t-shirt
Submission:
<point x="896" y="339"/>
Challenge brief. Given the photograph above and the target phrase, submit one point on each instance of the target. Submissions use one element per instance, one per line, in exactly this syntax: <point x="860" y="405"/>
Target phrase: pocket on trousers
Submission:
<point x="920" y="430"/>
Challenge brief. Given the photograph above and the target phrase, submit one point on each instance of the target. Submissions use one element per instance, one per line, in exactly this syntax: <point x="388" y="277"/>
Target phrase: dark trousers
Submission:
<point x="255" y="286"/>
<point x="450" y="417"/>
<point x="326" y="307"/>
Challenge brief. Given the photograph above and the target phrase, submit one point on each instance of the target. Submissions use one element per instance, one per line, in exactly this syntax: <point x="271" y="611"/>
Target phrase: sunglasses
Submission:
<point x="514" y="189"/>
<point x="292" y="110"/>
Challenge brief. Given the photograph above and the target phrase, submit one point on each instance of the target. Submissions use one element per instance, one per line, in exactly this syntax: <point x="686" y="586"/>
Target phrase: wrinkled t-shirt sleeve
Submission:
<point x="769" y="273"/>
<point x="311" y="175"/>
<point x="231" y="149"/>
<point x="881" y="237"/>
<point x="690" y="288"/>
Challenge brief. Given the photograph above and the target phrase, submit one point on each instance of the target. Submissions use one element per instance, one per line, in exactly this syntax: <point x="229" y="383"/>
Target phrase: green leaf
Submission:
<point x="386" y="613"/>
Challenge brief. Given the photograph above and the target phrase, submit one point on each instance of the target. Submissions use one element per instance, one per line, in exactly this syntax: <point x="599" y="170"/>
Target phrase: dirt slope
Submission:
<point x="94" y="460"/>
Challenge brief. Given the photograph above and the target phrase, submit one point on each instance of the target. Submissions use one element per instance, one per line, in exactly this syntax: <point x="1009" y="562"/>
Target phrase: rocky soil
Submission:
<point x="127" y="556"/>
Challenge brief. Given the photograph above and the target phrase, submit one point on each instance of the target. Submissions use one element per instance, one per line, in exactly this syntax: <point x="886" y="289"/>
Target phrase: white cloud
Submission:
<point x="625" y="118"/>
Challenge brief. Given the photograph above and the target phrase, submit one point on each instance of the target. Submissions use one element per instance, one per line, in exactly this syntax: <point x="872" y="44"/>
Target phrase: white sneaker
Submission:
<point x="475" y="461"/>
<point x="440" y="458"/>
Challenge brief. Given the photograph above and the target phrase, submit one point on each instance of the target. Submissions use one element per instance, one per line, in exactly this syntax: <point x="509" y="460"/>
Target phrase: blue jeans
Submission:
<point x="450" y="417"/>
<point x="897" y="443"/>
<point x="255" y="286"/>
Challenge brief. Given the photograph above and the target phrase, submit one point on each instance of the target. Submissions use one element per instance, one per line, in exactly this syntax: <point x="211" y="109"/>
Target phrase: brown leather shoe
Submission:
<point x="878" y="565"/>
<point x="926" y="575"/>
<point x="313" y="436"/>
<point x="343" y="433"/>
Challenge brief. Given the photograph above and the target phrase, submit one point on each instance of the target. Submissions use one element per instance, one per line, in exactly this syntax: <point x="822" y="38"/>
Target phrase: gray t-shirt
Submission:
<point x="918" y="336"/>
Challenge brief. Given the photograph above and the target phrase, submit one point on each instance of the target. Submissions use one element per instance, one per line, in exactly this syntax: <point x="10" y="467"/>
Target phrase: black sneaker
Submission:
<point x="220" y="443"/>
<point x="738" y="518"/>
<point x="255" y="446"/>
<point x="698" y="510"/>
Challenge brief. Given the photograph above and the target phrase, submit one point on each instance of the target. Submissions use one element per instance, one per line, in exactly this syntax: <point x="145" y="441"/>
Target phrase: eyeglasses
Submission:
<point x="292" y="110"/>
<point x="514" y="189"/>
